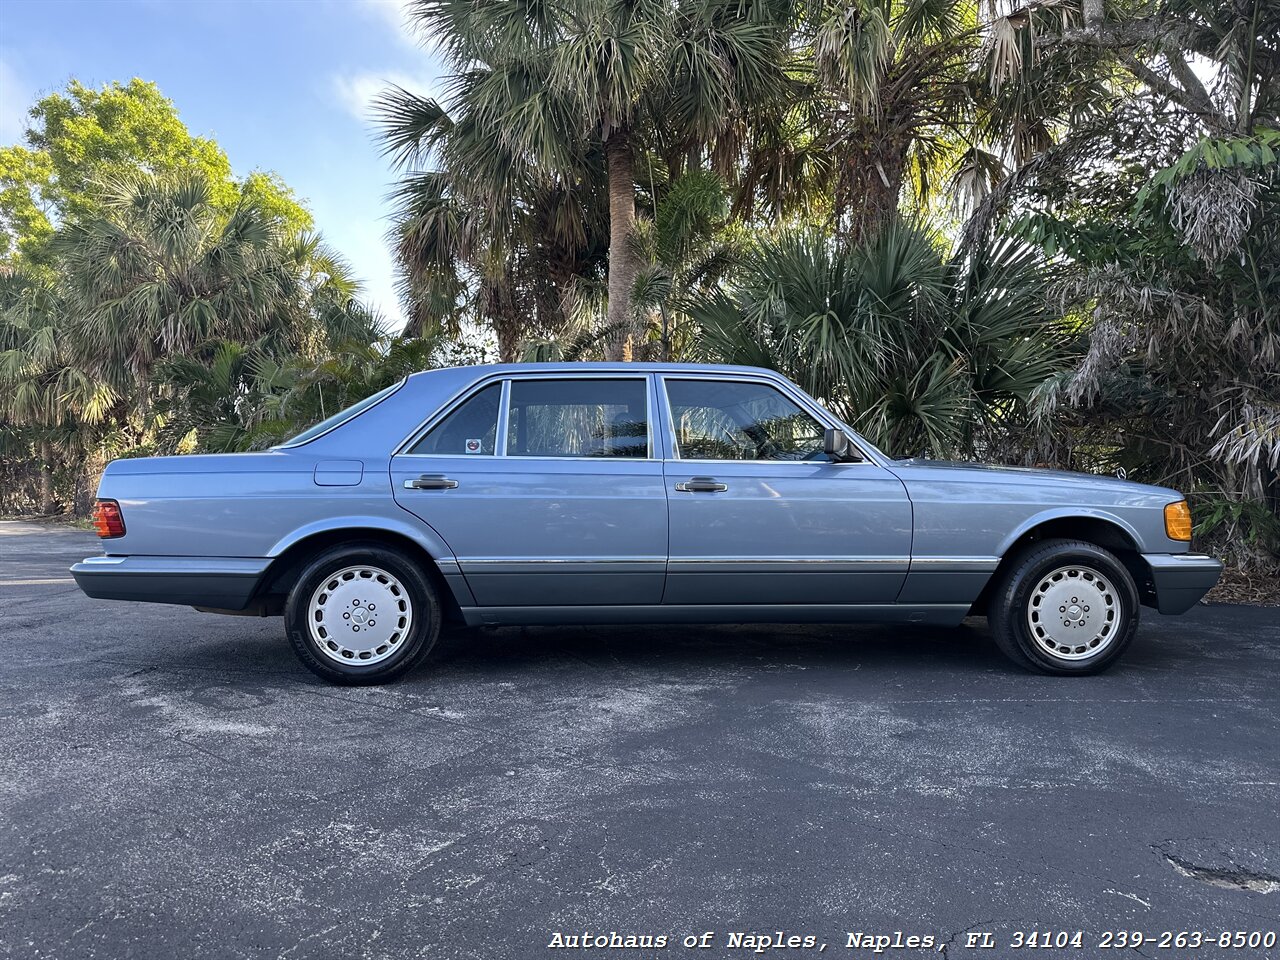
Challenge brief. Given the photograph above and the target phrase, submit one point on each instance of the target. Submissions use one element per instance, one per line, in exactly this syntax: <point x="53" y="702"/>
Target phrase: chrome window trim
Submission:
<point x="794" y="463"/>
<point x="442" y="411"/>
<point x="488" y="456"/>
<point x="644" y="378"/>
<point x="426" y="425"/>
<point x="504" y="419"/>
<point x="783" y="386"/>
<point x="398" y="386"/>
<point x="659" y="411"/>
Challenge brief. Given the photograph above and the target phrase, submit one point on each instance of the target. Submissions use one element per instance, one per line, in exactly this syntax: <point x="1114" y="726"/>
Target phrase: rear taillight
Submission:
<point x="107" y="519"/>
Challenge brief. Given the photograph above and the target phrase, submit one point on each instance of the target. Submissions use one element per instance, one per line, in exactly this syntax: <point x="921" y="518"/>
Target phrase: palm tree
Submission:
<point x="1162" y="211"/>
<point x="165" y="270"/>
<point x="231" y="396"/>
<point x="210" y="399"/>
<point x="505" y="252"/>
<point x="539" y="91"/>
<point x="890" y="96"/>
<point x="50" y="405"/>
<point x="684" y="251"/>
<point x="146" y="287"/>
<point x="916" y="350"/>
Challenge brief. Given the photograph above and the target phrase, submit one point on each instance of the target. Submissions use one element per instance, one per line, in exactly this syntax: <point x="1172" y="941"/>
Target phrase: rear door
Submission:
<point x="547" y="489"/>
<point x="760" y="515"/>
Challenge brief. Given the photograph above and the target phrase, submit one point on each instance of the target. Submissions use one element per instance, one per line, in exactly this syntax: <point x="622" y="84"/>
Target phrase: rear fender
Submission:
<point x="418" y="532"/>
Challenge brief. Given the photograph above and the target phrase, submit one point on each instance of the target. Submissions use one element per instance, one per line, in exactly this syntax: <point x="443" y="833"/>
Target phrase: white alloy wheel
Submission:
<point x="360" y="615"/>
<point x="1074" y="613"/>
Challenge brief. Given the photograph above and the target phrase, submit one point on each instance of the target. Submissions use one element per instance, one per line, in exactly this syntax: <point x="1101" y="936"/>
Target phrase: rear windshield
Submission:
<point x="324" y="426"/>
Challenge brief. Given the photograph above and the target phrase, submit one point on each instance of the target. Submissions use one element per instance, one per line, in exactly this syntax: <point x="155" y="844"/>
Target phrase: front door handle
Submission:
<point x="430" y="482"/>
<point x="701" y="485"/>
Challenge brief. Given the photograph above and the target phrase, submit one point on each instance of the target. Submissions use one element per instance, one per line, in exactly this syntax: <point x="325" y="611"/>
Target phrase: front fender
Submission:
<point x="1070" y="513"/>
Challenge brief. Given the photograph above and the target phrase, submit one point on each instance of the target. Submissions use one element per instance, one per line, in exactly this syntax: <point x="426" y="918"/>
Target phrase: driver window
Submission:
<point x="733" y="420"/>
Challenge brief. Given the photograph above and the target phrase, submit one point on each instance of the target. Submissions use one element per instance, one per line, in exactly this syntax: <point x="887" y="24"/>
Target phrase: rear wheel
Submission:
<point x="1065" y="607"/>
<point x="362" y="614"/>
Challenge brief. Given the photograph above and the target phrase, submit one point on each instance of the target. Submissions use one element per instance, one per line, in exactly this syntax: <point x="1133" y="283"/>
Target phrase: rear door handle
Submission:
<point x="430" y="482"/>
<point x="701" y="485"/>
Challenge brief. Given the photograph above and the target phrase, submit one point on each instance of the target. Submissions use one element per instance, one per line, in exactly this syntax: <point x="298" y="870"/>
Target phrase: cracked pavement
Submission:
<point x="175" y="785"/>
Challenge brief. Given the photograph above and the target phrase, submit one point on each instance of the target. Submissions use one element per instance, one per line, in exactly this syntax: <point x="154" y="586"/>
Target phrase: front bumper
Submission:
<point x="226" y="583"/>
<point x="1181" y="579"/>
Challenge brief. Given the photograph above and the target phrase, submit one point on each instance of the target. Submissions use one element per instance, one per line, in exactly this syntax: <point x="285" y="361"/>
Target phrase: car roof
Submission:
<point x="484" y="369"/>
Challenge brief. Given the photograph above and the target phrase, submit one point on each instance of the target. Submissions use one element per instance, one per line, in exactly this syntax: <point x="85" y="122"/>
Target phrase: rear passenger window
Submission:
<point x="578" y="418"/>
<point x="471" y="428"/>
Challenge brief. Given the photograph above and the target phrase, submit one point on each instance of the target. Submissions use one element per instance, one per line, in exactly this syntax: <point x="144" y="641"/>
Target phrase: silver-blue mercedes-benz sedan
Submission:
<point x="630" y="493"/>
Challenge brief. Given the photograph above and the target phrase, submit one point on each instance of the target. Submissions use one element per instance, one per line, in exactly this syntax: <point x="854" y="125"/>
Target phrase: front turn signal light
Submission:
<point x="1177" y="521"/>
<point x="108" y="521"/>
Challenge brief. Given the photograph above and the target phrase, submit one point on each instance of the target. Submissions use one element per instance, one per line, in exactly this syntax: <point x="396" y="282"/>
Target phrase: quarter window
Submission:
<point x="737" y="420"/>
<point x="578" y="418"/>
<point x="342" y="416"/>
<point x="471" y="428"/>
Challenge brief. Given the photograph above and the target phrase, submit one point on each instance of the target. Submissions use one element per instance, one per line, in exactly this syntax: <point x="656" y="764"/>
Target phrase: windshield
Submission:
<point x="324" y="426"/>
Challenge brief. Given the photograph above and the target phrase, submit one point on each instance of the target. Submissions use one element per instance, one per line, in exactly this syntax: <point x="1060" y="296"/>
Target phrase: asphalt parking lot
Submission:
<point x="175" y="785"/>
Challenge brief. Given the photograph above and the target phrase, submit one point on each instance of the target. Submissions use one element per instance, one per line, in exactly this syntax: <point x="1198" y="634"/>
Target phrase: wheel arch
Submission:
<point x="1101" y="529"/>
<point x="291" y="554"/>
<point x="1075" y="523"/>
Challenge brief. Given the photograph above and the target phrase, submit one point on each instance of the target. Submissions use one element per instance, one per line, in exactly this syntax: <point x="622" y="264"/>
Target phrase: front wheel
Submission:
<point x="362" y="614"/>
<point x="1065" y="607"/>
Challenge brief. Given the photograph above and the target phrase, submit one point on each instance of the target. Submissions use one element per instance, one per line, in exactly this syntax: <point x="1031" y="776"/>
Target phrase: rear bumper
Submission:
<point x="1181" y="579"/>
<point x="223" y="582"/>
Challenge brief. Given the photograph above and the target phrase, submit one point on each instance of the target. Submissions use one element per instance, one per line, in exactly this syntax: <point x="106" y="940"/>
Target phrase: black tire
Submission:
<point x="1104" y="633"/>
<point x="406" y="584"/>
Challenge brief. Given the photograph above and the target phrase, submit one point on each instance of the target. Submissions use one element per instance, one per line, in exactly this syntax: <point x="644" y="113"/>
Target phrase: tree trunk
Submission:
<point x="45" y="468"/>
<point x="870" y="182"/>
<point x="622" y="261"/>
<point x="497" y="302"/>
<point x="509" y="339"/>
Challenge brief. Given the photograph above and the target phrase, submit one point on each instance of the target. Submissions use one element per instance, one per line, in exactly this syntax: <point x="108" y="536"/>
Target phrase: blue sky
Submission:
<point x="282" y="85"/>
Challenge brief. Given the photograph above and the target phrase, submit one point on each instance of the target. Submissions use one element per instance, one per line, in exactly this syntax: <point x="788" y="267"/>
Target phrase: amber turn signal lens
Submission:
<point x="107" y="519"/>
<point x="1177" y="521"/>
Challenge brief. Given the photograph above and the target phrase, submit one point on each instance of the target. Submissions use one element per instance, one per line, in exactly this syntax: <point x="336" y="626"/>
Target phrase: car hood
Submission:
<point x="978" y="472"/>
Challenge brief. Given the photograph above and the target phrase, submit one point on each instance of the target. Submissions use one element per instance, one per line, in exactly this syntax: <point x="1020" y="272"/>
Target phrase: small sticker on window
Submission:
<point x="473" y="446"/>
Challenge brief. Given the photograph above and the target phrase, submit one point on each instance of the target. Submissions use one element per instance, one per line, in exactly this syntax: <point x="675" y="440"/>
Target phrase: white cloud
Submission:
<point x="394" y="12"/>
<point x="360" y="238"/>
<point x="357" y="91"/>
<point x="412" y="62"/>
<point x="395" y="15"/>
<point x="15" y="100"/>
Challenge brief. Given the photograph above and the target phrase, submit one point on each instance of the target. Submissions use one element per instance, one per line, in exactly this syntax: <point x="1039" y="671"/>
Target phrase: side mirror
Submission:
<point x="837" y="445"/>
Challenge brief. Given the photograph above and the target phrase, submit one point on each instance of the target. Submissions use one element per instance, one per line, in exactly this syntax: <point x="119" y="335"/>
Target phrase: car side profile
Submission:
<point x="593" y="493"/>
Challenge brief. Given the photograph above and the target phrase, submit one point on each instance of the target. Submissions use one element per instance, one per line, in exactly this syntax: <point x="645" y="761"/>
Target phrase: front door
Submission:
<point x="760" y="515"/>
<point x="547" y="491"/>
